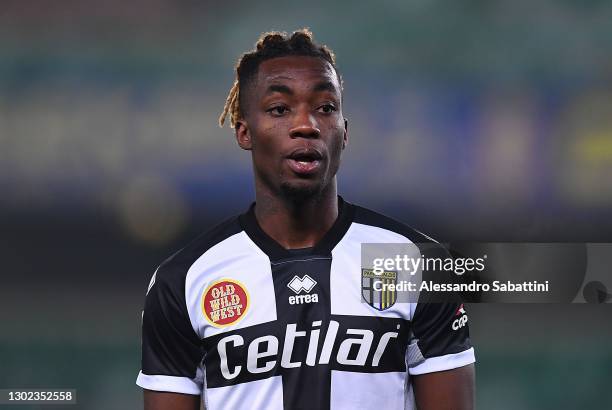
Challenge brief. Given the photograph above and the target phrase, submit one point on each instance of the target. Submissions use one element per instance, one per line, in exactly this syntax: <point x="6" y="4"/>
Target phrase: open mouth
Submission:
<point x="304" y="161"/>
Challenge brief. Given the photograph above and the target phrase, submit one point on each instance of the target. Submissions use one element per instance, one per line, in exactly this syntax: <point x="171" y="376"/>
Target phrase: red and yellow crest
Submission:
<point x="225" y="302"/>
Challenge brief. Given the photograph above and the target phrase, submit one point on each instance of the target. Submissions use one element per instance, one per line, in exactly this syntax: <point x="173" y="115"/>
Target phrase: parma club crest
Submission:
<point x="376" y="289"/>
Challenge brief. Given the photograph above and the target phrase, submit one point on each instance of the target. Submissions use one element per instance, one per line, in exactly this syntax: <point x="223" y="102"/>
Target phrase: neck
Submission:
<point x="296" y="224"/>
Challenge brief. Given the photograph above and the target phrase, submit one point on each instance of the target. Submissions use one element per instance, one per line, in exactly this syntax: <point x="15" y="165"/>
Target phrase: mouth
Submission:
<point x="305" y="161"/>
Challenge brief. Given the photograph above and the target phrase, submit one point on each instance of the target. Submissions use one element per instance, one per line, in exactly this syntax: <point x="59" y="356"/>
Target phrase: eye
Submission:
<point x="327" y="108"/>
<point x="278" y="111"/>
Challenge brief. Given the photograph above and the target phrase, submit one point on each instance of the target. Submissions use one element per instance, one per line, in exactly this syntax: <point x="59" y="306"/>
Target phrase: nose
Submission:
<point x="304" y="126"/>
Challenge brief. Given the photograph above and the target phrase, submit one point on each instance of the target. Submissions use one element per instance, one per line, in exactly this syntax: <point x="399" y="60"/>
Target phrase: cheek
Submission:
<point x="337" y="140"/>
<point x="265" y="143"/>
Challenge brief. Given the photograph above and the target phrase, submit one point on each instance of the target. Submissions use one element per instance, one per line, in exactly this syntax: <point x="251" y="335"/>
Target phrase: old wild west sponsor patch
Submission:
<point x="225" y="302"/>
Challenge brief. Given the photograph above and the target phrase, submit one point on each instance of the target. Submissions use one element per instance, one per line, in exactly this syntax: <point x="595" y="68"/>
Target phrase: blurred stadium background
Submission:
<point x="473" y="120"/>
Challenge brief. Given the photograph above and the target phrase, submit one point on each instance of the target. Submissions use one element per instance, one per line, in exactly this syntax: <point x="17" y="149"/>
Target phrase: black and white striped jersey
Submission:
<point x="250" y="325"/>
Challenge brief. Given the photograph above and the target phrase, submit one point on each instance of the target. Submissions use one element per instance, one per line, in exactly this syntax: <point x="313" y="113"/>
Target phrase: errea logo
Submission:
<point x="304" y="284"/>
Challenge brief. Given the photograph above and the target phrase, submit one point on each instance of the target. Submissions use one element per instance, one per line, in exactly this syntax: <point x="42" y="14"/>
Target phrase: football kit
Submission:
<point x="247" y="324"/>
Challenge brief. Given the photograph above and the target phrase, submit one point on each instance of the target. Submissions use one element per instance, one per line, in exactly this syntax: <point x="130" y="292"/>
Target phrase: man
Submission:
<point x="265" y="311"/>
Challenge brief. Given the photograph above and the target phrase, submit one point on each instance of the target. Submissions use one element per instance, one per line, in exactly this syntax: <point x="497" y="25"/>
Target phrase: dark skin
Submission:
<point x="294" y="104"/>
<point x="157" y="400"/>
<point x="295" y="130"/>
<point x="446" y="390"/>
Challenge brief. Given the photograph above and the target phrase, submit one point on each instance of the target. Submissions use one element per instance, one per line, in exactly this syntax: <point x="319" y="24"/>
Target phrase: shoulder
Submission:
<point x="369" y="218"/>
<point x="174" y="269"/>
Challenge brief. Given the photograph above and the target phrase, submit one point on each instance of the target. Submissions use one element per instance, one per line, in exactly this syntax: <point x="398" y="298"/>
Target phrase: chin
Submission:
<point x="298" y="191"/>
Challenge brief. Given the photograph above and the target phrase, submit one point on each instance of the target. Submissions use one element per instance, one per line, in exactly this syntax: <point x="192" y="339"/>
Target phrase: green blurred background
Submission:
<point x="469" y="120"/>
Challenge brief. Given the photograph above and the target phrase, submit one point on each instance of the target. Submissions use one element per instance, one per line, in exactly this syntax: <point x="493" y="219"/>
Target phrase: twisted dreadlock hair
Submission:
<point x="270" y="45"/>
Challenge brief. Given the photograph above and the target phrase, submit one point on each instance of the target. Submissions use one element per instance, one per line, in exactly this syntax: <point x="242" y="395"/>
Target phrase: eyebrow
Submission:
<point x="283" y="89"/>
<point x="279" y="88"/>
<point x="325" y="86"/>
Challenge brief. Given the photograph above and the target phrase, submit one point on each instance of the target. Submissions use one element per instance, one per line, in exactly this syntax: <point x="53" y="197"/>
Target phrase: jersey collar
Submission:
<point x="276" y="252"/>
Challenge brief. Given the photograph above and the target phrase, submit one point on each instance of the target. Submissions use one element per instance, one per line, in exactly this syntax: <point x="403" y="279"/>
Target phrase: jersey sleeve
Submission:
<point x="440" y="334"/>
<point x="171" y="349"/>
<point x="440" y="339"/>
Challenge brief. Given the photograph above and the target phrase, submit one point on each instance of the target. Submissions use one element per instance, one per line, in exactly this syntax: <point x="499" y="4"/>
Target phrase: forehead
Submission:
<point x="296" y="69"/>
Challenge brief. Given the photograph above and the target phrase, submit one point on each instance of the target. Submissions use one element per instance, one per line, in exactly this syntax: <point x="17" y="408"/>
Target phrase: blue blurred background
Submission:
<point x="472" y="120"/>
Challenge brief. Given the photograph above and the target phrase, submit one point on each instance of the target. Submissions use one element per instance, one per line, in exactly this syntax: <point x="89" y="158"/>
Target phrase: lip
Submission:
<point x="305" y="160"/>
<point x="304" y="167"/>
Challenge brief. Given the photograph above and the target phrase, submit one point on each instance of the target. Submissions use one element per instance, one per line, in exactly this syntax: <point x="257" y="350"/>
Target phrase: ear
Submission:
<point x="243" y="135"/>
<point x="345" y="139"/>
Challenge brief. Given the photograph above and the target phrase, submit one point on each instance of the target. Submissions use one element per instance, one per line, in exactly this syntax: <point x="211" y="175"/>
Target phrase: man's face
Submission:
<point x="294" y="126"/>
